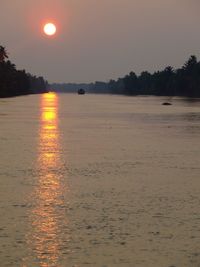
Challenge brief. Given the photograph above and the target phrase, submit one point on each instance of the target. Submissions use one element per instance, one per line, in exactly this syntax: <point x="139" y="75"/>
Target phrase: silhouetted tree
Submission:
<point x="15" y="82"/>
<point x="131" y="84"/>
<point x="3" y="54"/>
<point x="183" y="82"/>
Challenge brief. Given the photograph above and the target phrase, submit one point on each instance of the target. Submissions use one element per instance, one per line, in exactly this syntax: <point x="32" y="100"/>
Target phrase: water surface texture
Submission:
<point x="99" y="180"/>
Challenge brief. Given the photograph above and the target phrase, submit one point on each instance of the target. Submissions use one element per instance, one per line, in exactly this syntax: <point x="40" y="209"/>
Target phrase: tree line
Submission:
<point x="15" y="82"/>
<point x="184" y="81"/>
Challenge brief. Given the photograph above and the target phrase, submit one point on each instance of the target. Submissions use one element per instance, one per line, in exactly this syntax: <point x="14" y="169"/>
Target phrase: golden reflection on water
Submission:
<point x="48" y="212"/>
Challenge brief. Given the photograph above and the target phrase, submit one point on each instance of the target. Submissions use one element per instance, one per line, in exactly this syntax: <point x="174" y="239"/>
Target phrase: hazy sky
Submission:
<point x="99" y="39"/>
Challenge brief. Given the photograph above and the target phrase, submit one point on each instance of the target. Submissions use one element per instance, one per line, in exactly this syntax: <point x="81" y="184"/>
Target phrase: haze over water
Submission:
<point x="99" y="180"/>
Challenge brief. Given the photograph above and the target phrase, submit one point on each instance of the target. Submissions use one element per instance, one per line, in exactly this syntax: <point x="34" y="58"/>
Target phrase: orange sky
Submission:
<point x="99" y="40"/>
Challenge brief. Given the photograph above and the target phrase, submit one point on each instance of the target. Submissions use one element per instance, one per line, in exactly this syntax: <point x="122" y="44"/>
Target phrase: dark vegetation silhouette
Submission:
<point x="168" y="82"/>
<point x="15" y="82"/>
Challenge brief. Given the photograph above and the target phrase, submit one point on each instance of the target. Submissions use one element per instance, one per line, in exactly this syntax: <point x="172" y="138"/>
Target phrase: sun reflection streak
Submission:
<point x="48" y="213"/>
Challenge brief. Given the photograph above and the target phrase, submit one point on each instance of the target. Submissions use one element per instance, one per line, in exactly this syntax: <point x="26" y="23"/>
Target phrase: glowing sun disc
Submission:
<point x="49" y="29"/>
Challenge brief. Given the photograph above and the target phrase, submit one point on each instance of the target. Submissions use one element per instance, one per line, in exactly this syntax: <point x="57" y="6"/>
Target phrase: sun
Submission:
<point x="49" y="29"/>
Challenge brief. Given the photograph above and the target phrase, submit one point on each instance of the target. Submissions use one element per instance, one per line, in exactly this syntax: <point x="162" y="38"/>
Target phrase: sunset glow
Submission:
<point x="49" y="29"/>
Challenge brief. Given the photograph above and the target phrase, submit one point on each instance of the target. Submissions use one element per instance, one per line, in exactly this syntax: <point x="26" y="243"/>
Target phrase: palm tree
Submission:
<point x="3" y="54"/>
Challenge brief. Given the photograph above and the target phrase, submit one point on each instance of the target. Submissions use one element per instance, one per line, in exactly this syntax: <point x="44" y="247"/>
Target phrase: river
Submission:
<point x="99" y="180"/>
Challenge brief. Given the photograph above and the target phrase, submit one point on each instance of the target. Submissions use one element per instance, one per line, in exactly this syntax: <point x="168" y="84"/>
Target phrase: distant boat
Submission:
<point x="81" y="91"/>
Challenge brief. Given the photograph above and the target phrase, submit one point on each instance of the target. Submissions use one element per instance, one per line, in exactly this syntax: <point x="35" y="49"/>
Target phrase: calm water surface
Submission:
<point x="99" y="180"/>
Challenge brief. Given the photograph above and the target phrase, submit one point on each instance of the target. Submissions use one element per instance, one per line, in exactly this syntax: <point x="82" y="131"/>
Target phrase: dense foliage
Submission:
<point x="168" y="82"/>
<point x="15" y="82"/>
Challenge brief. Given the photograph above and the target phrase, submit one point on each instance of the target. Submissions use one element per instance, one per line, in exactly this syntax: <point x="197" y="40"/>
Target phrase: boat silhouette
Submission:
<point x="81" y="91"/>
